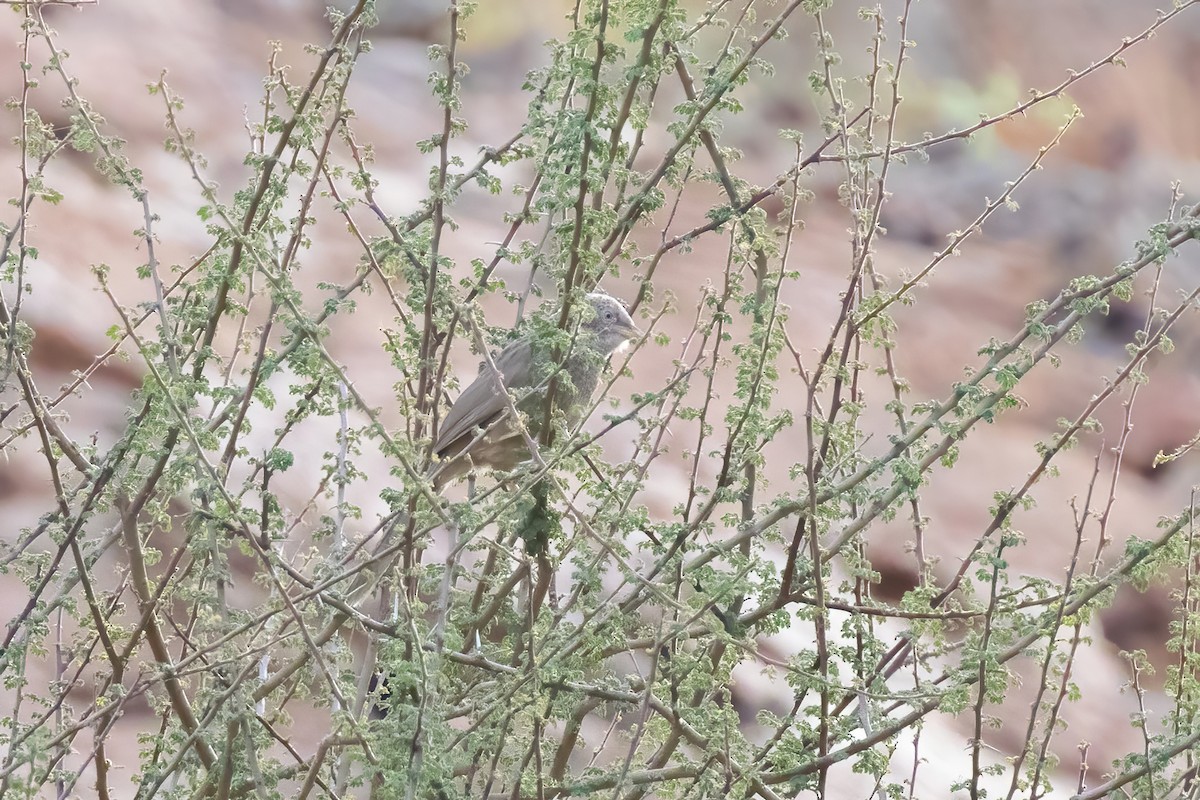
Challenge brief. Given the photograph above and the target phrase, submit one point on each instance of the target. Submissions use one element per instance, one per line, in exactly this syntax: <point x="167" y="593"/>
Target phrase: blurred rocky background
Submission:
<point x="1100" y="191"/>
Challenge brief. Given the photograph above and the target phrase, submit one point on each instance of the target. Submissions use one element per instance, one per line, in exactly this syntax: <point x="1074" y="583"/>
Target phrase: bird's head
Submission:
<point x="610" y="324"/>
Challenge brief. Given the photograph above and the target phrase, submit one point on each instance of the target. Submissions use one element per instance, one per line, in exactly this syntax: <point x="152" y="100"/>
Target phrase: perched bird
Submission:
<point x="478" y="430"/>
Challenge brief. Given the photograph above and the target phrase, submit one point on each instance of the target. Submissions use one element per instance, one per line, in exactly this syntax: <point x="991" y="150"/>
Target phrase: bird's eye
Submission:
<point x="608" y="315"/>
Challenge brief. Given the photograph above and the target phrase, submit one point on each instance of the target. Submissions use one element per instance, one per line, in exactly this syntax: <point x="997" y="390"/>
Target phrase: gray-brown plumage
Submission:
<point x="478" y="432"/>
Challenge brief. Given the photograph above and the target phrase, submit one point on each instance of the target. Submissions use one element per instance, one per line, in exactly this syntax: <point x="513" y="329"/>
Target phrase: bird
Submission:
<point x="478" y="431"/>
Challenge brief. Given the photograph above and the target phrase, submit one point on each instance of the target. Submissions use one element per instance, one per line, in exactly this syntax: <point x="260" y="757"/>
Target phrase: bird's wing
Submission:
<point x="480" y="404"/>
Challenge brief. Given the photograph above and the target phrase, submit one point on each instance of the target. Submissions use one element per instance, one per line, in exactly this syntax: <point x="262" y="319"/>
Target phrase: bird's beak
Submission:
<point x="632" y="332"/>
